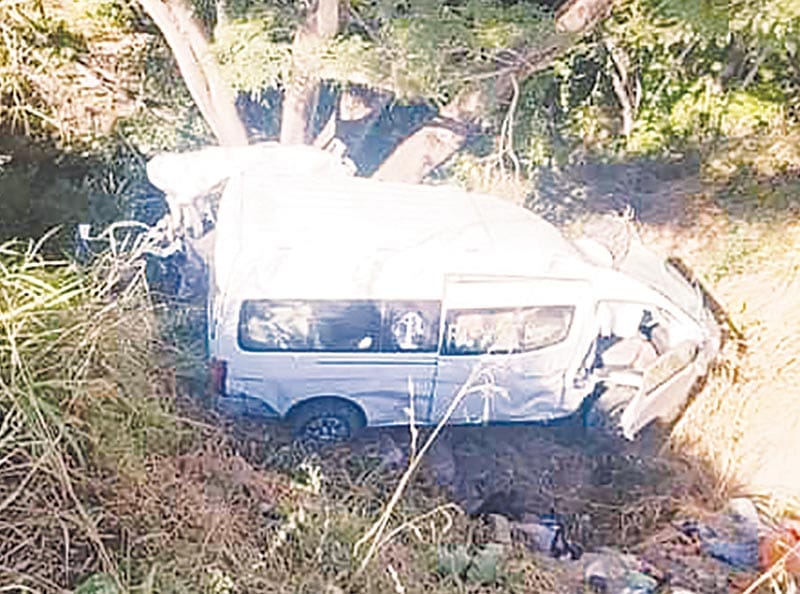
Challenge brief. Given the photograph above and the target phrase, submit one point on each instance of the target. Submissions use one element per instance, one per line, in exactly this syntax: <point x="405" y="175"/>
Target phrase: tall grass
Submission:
<point x="76" y="351"/>
<point x="103" y="477"/>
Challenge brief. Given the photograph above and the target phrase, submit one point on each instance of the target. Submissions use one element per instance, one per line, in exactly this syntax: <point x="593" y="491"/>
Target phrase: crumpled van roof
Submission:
<point x="341" y="237"/>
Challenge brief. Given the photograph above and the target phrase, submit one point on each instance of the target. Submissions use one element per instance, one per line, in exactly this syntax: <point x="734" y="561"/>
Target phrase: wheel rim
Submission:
<point x="327" y="429"/>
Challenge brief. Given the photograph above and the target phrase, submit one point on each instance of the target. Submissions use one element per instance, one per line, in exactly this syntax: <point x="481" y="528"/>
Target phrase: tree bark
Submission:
<point x="186" y="38"/>
<point x="626" y="90"/>
<point x="436" y="142"/>
<point x="302" y="91"/>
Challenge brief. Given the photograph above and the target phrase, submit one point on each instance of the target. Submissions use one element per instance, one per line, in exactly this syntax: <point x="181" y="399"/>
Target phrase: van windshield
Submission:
<point x="339" y="326"/>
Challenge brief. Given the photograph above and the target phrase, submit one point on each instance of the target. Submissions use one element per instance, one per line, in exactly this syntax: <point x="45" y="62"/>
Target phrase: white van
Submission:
<point x="339" y="302"/>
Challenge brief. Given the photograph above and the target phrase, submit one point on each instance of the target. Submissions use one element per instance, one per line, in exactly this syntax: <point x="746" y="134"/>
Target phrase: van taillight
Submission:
<point x="218" y="371"/>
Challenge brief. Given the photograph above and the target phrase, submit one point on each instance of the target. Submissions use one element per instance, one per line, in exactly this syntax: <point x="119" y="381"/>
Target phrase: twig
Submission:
<point x="751" y="74"/>
<point x="774" y="568"/>
<point x="414" y="521"/>
<point x="375" y="533"/>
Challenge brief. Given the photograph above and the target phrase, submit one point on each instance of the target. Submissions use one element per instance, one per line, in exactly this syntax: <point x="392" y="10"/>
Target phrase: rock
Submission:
<point x="545" y="534"/>
<point x="500" y="528"/>
<point x="535" y="536"/>
<point x="611" y="572"/>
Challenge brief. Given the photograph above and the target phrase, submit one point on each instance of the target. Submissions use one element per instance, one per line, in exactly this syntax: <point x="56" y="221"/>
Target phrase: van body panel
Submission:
<point x="661" y="401"/>
<point x="380" y="385"/>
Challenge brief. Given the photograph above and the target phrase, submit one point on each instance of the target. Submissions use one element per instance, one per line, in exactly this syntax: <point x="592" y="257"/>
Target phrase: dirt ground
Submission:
<point x="626" y="497"/>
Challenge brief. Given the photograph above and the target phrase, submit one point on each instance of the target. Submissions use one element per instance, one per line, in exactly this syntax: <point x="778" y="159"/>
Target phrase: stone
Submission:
<point x="500" y="528"/>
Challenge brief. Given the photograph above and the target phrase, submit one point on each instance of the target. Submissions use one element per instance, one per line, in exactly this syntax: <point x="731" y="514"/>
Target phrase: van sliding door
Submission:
<point x="508" y="347"/>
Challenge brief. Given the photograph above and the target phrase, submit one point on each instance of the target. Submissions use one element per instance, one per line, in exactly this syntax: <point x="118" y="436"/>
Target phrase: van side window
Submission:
<point x="275" y="326"/>
<point x="505" y="330"/>
<point x="411" y="326"/>
<point x="339" y="326"/>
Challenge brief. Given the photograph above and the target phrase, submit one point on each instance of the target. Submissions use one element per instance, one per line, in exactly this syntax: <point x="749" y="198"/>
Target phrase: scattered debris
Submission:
<point x="547" y="534"/>
<point x="611" y="572"/>
<point x="680" y="557"/>
<point x="731" y="536"/>
<point x="477" y="565"/>
<point x="782" y="545"/>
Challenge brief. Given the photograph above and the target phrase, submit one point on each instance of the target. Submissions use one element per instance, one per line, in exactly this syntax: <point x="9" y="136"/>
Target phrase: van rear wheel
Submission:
<point x="327" y="420"/>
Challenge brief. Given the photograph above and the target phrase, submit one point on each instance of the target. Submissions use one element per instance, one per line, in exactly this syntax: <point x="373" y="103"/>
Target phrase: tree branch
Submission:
<point x="302" y="91"/>
<point x="185" y="36"/>
<point x="435" y="143"/>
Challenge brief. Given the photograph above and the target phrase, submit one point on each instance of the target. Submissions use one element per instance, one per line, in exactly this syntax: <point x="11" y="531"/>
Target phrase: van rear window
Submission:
<point x="506" y="330"/>
<point x="339" y="326"/>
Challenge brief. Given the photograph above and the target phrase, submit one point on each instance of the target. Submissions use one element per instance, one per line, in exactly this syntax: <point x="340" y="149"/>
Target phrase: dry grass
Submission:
<point x="745" y="424"/>
<point x="103" y="472"/>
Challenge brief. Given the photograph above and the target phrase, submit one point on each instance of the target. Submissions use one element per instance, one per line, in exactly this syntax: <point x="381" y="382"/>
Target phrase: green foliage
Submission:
<point x="98" y="583"/>
<point x="698" y="72"/>
<point x="418" y="48"/>
<point x="477" y="565"/>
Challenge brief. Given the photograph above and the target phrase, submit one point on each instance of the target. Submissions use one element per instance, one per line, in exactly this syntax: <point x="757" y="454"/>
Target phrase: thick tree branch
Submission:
<point x="436" y="142"/>
<point x="302" y="91"/>
<point x="579" y="16"/>
<point x="187" y="40"/>
<point x="627" y="93"/>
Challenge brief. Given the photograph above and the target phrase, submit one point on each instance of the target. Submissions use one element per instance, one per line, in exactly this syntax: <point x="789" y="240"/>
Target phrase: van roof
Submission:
<point x="358" y="236"/>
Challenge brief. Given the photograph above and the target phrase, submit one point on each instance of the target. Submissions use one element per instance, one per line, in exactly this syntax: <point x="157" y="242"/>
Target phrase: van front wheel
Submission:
<point x="326" y="420"/>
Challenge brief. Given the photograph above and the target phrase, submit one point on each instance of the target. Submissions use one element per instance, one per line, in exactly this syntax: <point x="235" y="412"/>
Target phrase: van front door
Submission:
<point x="510" y="349"/>
<point x="665" y="386"/>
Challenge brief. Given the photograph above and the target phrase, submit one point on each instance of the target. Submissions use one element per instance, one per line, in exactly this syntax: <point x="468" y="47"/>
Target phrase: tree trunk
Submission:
<point x="436" y="142"/>
<point x="185" y="36"/>
<point x="302" y="91"/>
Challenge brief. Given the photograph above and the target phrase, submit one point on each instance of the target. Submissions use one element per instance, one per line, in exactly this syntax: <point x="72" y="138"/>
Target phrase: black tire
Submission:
<point x="326" y="421"/>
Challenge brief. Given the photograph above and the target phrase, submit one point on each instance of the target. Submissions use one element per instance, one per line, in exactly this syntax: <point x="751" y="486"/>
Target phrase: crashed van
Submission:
<point x="339" y="302"/>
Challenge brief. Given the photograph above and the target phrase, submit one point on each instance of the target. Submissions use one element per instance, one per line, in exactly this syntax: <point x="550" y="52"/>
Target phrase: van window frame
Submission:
<point x="519" y="313"/>
<point x="384" y="340"/>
